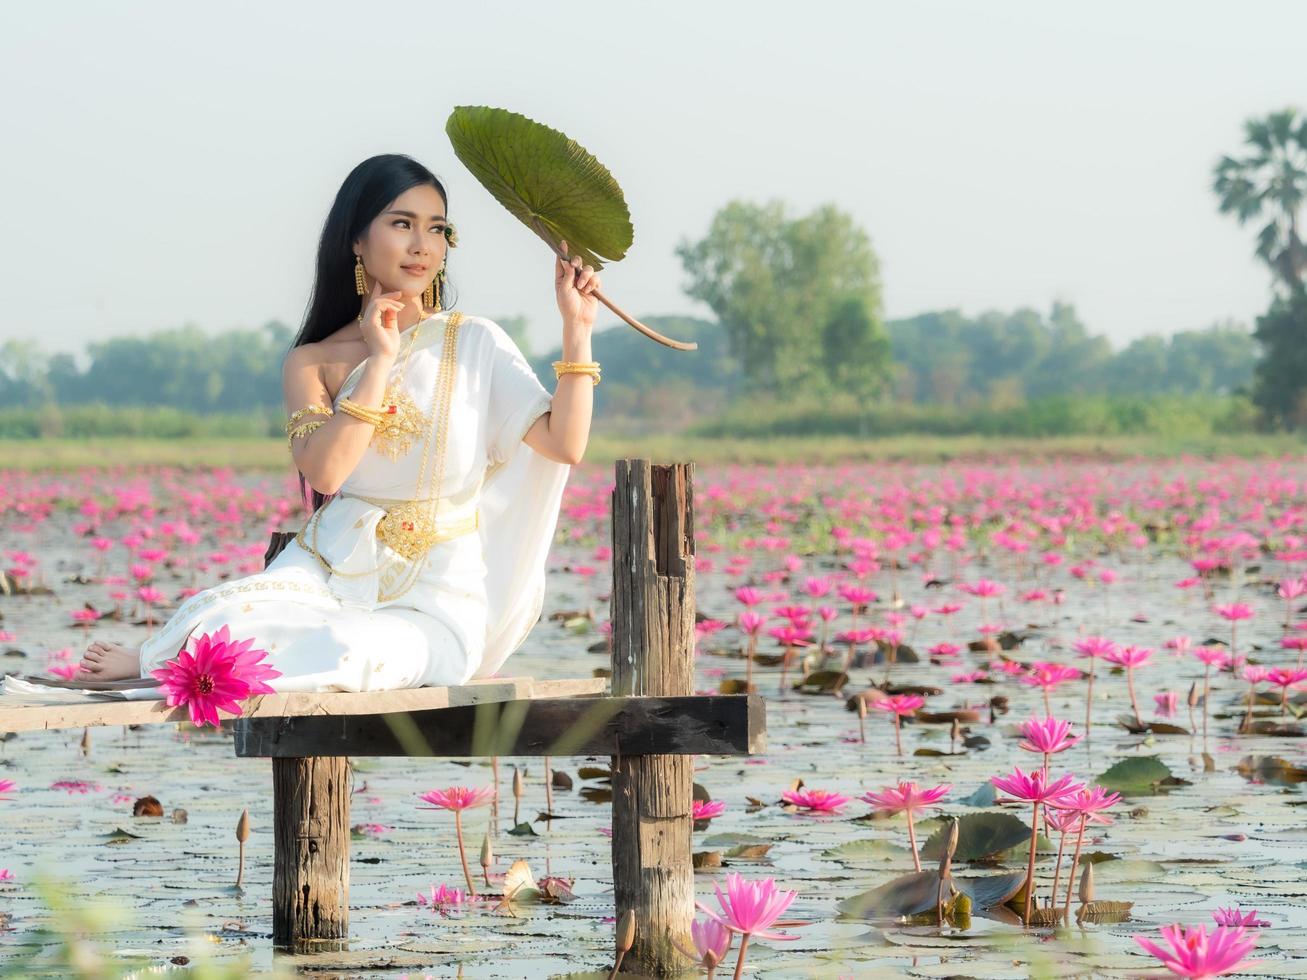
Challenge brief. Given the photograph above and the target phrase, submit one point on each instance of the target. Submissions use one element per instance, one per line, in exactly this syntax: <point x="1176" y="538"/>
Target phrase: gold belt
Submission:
<point x="410" y="527"/>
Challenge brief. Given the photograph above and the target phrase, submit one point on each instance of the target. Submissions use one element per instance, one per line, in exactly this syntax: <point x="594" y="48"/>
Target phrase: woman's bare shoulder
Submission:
<point x="335" y="355"/>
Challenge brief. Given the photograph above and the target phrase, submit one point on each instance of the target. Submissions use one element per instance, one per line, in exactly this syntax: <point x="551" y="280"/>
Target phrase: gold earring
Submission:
<point x="430" y="297"/>
<point x="360" y="278"/>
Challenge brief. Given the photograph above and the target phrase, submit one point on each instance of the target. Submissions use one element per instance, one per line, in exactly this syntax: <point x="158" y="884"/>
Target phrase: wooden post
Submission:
<point x="310" y="878"/>
<point x="653" y="654"/>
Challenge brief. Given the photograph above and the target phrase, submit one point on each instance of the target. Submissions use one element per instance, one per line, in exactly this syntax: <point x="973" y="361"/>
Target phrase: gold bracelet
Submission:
<point x="305" y="429"/>
<point x="360" y="412"/>
<point x="594" y="375"/>
<point x="567" y="365"/>
<point x="310" y="410"/>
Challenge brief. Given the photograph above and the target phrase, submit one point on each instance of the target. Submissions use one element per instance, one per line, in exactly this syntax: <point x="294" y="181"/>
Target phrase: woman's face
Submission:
<point x="404" y="246"/>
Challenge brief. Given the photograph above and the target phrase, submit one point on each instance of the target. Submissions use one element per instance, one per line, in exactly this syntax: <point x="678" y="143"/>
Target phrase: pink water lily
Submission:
<point x="6" y="787"/>
<point x="908" y="798"/>
<point x="750" y="908"/>
<point x="1034" y="788"/>
<point x="1197" y="953"/>
<point x="1088" y="804"/>
<point x="440" y="899"/>
<point x="817" y="800"/>
<point x="707" y="809"/>
<point x="1131" y="657"/>
<point x="898" y="705"/>
<point x="711" y="939"/>
<point x="1047" y="736"/>
<point x="458" y="799"/>
<point x="1238" y="917"/>
<point x="215" y="677"/>
<point x="1049" y="676"/>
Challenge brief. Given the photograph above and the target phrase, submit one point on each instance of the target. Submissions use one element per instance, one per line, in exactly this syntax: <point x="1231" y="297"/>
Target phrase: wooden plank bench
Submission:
<point x="650" y="723"/>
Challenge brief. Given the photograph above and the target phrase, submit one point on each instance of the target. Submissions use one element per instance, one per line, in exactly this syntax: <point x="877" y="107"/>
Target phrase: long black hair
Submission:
<point x="334" y="302"/>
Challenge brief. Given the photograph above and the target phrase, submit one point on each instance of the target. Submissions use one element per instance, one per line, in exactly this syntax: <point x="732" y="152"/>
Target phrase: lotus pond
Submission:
<point x="902" y="623"/>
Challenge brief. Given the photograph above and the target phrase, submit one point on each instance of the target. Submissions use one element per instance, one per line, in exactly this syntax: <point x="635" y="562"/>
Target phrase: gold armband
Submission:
<point x="372" y="416"/>
<point x="308" y="410"/>
<point x="577" y="367"/>
<point x="304" y="428"/>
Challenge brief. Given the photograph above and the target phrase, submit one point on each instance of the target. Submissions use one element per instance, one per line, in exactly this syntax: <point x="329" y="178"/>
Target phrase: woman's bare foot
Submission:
<point x="109" y="662"/>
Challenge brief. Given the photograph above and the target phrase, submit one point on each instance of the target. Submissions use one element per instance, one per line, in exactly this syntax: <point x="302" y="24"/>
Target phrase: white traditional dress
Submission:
<point x="377" y="620"/>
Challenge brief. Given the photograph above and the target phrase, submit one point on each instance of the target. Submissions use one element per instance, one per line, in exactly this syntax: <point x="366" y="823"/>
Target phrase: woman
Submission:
<point x="435" y="457"/>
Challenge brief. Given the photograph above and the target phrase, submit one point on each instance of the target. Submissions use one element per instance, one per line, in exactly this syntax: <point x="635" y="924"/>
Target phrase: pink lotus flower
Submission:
<point x="1234" y="611"/>
<point x="750" y="907"/>
<point x="1166" y="702"/>
<point x="458" y="798"/>
<point x="1082" y="807"/>
<point x="75" y="786"/>
<point x="908" y="798"/>
<point x="900" y="704"/>
<point x="817" y="800"/>
<point x="1087" y="800"/>
<point x="711" y="941"/>
<point x="440" y="899"/>
<point x="945" y="651"/>
<point x="1094" y="647"/>
<point x="1130" y="656"/>
<point x="1047" y="677"/>
<point x="1211" y="656"/>
<point x="856" y="595"/>
<point x="215" y="677"/>
<point x="982" y="588"/>
<point x="1047" y="736"/>
<point x="1238" y="917"/>
<point x="1196" y="953"/>
<point x="6" y="787"/>
<point x="1033" y="787"/>
<point x="707" y="809"/>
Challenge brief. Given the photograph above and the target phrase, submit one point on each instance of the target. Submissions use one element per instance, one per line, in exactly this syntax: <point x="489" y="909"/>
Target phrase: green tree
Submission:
<point x="852" y="326"/>
<point x="1279" y="391"/>
<point x="1270" y="181"/>
<point x="776" y="282"/>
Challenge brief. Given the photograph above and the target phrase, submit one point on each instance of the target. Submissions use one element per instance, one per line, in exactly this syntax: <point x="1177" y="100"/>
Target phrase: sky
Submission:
<point x="172" y="164"/>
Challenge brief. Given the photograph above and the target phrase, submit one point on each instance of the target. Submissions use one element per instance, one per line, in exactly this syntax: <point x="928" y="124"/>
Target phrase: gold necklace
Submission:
<point x="403" y="421"/>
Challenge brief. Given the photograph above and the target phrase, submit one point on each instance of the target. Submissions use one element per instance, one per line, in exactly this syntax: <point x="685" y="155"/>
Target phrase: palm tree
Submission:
<point x="1272" y="181"/>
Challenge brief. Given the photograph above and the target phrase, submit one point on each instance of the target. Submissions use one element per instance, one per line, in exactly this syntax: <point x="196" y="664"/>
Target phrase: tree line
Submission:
<point x="799" y="321"/>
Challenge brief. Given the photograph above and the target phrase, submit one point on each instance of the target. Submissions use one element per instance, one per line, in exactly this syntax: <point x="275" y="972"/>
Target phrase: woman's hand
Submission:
<point x="380" y="324"/>
<point x="575" y="286"/>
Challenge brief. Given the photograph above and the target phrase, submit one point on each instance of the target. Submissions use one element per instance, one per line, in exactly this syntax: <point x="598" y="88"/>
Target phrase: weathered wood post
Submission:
<point x="310" y="876"/>
<point x="653" y="654"/>
<point x="310" y="815"/>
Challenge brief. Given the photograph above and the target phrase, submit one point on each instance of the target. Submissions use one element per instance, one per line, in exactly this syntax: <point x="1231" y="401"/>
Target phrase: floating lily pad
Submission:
<point x="1271" y="769"/>
<point x="906" y="895"/>
<point x="1139" y="776"/>
<point x="985" y="795"/>
<point x="991" y="890"/>
<point x="822" y="682"/>
<point x="865" y="850"/>
<point x="981" y="836"/>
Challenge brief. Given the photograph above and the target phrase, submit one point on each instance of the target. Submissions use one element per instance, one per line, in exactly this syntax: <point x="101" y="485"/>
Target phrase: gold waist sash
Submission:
<point x="411" y="528"/>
